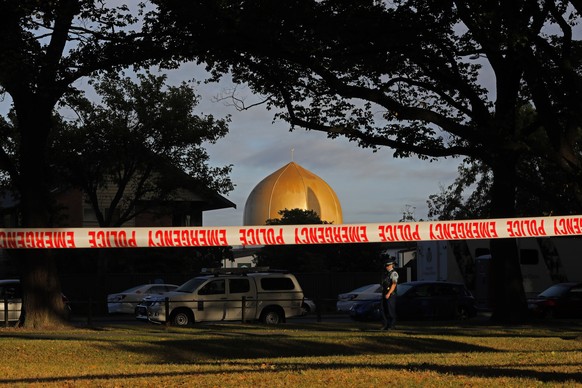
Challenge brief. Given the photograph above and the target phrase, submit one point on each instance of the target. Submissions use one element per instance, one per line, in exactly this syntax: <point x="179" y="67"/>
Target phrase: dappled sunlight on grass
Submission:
<point x="297" y="355"/>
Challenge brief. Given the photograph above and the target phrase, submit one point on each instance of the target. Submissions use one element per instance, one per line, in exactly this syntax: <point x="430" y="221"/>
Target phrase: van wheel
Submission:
<point x="182" y="318"/>
<point x="272" y="317"/>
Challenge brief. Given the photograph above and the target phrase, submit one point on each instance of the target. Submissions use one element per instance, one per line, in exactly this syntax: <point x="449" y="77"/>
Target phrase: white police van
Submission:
<point x="246" y="294"/>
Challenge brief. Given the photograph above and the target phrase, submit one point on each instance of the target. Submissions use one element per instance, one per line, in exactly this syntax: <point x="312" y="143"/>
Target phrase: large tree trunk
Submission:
<point x="509" y="301"/>
<point x="43" y="304"/>
<point x="43" y="301"/>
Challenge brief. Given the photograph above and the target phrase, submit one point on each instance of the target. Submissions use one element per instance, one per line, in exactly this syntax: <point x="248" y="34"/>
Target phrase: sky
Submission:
<point x="372" y="187"/>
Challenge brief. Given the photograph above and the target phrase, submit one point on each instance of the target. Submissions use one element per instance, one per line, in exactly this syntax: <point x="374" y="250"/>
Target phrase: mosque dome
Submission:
<point x="291" y="187"/>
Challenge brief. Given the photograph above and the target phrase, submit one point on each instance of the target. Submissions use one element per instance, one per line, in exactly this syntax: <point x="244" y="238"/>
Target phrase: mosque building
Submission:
<point x="291" y="187"/>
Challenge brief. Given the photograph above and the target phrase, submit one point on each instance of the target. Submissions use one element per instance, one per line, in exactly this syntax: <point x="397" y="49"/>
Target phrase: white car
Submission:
<point x="124" y="302"/>
<point x="368" y="292"/>
<point x="11" y="297"/>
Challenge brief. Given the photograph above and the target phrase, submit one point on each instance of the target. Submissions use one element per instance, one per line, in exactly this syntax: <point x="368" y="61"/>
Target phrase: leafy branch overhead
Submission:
<point x="426" y="79"/>
<point x="46" y="48"/>
<point x="423" y="78"/>
<point x="138" y="138"/>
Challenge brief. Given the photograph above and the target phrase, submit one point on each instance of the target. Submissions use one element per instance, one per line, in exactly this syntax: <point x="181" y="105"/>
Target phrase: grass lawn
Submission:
<point x="296" y="354"/>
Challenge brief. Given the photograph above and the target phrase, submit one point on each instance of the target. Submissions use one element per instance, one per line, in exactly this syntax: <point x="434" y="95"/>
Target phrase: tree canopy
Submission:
<point x="318" y="258"/>
<point x="424" y="78"/>
<point x="138" y="140"/>
<point x="46" y="47"/>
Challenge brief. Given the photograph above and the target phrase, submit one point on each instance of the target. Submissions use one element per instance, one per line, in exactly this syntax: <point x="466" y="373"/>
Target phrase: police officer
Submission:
<point x="389" y="284"/>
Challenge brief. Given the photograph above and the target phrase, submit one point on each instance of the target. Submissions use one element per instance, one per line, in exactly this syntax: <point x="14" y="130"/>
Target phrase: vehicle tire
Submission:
<point x="305" y="309"/>
<point x="272" y="317"/>
<point x="182" y="318"/>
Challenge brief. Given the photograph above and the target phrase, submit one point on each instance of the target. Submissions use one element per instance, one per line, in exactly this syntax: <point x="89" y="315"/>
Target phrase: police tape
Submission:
<point x="139" y="237"/>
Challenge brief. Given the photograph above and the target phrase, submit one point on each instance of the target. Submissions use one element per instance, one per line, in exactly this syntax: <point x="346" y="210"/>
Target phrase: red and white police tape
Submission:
<point x="288" y="234"/>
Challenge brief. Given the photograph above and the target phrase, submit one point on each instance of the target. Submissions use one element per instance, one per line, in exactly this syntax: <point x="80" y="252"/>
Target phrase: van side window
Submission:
<point x="271" y="284"/>
<point x="239" y="286"/>
<point x="214" y="287"/>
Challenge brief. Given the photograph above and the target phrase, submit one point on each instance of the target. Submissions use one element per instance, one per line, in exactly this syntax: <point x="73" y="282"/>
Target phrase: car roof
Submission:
<point x="9" y="281"/>
<point x="420" y="282"/>
<point x="243" y="275"/>
<point x="567" y="284"/>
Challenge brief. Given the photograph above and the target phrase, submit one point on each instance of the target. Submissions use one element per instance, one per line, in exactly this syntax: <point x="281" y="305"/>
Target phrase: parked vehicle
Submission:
<point x="11" y="297"/>
<point x="231" y="295"/>
<point x="141" y="310"/>
<point x="125" y="302"/>
<point x="431" y="300"/>
<point x="562" y="300"/>
<point x="369" y="292"/>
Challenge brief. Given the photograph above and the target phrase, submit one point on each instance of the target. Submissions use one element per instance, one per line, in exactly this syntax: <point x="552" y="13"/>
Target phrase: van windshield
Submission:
<point x="191" y="285"/>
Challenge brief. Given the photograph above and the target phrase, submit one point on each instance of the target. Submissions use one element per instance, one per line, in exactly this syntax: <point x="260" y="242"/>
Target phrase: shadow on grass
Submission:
<point x="240" y="346"/>
<point x="185" y="351"/>
<point x="451" y="371"/>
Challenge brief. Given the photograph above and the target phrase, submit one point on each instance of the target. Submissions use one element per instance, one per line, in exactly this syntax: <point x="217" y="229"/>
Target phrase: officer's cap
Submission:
<point x="390" y="262"/>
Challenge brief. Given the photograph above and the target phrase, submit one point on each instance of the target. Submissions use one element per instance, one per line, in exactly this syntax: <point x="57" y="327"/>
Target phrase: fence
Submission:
<point x="87" y="293"/>
<point x="84" y="290"/>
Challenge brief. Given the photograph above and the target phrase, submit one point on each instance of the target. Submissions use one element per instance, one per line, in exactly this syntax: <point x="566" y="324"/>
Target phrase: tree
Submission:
<point x="317" y="258"/>
<point x="138" y="141"/>
<point x="46" y="47"/>
<point x="407" y="75"/>
<point x="452" y="203"/>
<point x="296" y="217"/>
<point x="403" y="75"/>
<point x="542" y="189"/>
<point x="143" y="146"/>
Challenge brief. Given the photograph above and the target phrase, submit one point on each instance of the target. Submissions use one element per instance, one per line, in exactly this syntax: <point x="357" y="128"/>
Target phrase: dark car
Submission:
<point x="562" y="300"/>
<point x="431" y="300"/>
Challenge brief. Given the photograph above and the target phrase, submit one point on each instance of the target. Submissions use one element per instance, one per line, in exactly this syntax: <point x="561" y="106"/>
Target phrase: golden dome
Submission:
<point x="291" y="187"/>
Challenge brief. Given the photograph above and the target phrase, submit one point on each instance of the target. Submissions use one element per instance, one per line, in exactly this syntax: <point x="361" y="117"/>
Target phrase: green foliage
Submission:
<point x="296" y="217"/>
<point x="318" y="257"/>
<point x="403" y="75"/>
<point x="452" y="203"/>
<point x="137" y="141"/>
<point x="408" y="75"/>
<point x="542" y="187"/>
<point x="46" y="48"/>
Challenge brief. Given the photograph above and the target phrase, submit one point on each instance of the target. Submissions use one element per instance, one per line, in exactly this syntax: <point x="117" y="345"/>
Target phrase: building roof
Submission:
<point x="291" y="187"/>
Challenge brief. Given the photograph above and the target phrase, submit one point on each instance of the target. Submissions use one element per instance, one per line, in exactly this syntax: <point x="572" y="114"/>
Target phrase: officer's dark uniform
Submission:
<point x="389" y="283"/>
